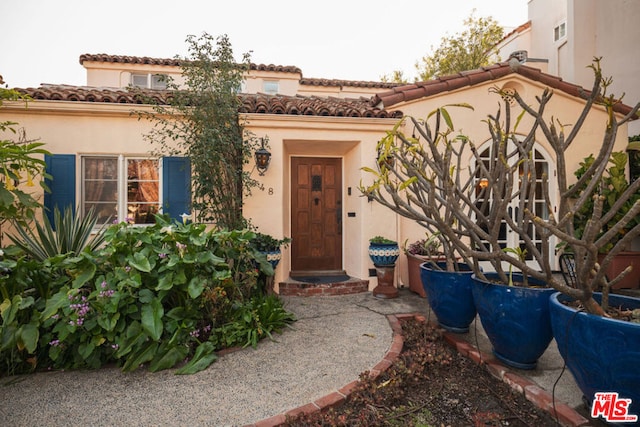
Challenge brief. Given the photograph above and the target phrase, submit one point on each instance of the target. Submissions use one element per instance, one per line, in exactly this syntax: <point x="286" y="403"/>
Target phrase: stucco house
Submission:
<point x="321" y="133"/>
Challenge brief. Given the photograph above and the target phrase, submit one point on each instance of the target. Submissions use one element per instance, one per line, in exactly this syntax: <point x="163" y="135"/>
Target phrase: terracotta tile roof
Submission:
<point x="103" y="57"/>
<point x="48" y="92"/>
<point x="276" y="68"/>
<point x="313" y="106"/>
<point x="250" y="103"/>
<point x="412" y="92"/>
<point x="518" y="29"/>
<point x="174" y="62"/>
<point x="349" y="83"/>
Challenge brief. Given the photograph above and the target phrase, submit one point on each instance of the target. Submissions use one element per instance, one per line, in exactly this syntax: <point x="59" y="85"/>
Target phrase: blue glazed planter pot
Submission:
<point x="273" y="257"/>
<point x="516" y="319"/>
<point x="449" y="295"/>
<point x="384" y="253"/>
<point x="602" y="354"/>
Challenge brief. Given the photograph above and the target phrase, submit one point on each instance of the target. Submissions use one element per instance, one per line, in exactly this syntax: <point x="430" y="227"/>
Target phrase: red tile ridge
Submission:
<point x="519" y="29"/>
<point x="174" y="62"/>
<point x="249" y="103"/>
<point x="349" y="83"/>
<point x="470" y="78"/>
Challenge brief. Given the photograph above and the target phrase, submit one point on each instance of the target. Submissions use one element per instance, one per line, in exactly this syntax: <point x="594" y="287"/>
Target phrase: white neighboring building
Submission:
<point x="563" y="36"/>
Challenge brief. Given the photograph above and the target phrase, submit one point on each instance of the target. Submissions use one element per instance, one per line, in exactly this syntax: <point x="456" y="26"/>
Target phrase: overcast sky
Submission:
<point x="41" y="40"/>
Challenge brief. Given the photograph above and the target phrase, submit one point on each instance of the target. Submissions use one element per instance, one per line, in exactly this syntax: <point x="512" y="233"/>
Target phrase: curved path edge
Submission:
<point x="565" y="414"/>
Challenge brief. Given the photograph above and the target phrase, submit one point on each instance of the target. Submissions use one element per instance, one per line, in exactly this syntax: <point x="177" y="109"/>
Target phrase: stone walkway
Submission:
<point x="334" y="340"/>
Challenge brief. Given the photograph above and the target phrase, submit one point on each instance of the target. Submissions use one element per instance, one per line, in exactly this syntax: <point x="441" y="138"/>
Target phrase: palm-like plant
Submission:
<point x="70" y="233"/>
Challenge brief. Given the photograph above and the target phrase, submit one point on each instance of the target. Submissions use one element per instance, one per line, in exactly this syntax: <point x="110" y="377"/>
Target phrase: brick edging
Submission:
<point x="531" y="391"/>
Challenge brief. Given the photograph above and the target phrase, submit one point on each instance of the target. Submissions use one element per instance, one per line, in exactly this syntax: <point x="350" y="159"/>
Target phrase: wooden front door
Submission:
<point x="316" y="214"/>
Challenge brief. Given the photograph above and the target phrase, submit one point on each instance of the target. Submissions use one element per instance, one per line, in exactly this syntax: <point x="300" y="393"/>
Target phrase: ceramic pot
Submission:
<point x="274" y="257"/>
<point x="384" y="253"/>
<point x="449" y="295"/>
<point x="515" y="319"/>
<point x="602" y="354"/>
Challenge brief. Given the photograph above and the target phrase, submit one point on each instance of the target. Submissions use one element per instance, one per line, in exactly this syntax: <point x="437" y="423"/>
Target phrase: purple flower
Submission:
<point x="127" y="269"/>
<point x="103" y="284"/>
<point x="54" y="343"/>
<point x="106" y="294"/>
<point x="163" y="255"/>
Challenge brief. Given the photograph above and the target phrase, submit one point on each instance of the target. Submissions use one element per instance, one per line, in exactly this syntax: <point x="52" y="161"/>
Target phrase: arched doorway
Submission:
<point x="543" y="165"/>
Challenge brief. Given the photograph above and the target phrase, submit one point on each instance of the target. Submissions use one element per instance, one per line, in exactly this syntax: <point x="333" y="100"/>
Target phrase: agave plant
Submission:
<point x="70" y="233"/>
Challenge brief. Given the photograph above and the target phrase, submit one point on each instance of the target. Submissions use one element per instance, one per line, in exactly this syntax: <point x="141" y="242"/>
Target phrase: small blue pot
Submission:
<point x="516" y="319"/>
<point x="602" y="354"/>
<point x="273" y="257"/>
<point x="383" y="254"/>
<point x="449" y="295"/>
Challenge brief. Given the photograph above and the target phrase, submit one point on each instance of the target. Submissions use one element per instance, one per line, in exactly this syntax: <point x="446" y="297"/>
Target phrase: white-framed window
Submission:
<point x="560" y="32"/>
<point x="149" y="81"/>
<point x="121" y="188"/>
<point x="270" y="87"/>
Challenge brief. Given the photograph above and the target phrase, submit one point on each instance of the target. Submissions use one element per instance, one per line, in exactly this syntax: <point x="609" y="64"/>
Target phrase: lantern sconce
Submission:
<point x="263" y="157"/>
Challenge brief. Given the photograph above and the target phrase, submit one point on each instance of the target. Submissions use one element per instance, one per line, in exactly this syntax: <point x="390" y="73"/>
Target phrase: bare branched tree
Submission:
<point x="440" y="179"/>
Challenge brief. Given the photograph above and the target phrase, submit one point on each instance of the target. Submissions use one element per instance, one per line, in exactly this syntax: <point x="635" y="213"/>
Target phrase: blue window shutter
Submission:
<point x="176" y="186"/>
<point x="62" y="168"/>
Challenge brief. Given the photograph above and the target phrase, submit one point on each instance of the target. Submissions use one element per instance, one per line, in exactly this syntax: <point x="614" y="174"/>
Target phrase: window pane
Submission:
<point x="158" y="81"/>
<point x="100" y="187"/>
<point x="143" y="195"/>
<point x="100" y="191"/>
<point x="101" y="168"/>
<point x="106" y="212"/>
<point x="139" y="80"/>
<point x="140" y="213"/>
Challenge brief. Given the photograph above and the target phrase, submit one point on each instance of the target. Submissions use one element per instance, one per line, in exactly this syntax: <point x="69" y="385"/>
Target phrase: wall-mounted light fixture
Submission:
<point x="263" y="158"/>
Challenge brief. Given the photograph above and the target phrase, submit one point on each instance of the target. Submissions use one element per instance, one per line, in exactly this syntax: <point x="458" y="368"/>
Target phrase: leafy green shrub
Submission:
<point x="265" y="242"/>
<point x="613" y="184"/>
<point x="152" y="295"/>
<point x="253" y="321"/>
<point x="20" y="162"/>
<point x="380" y="239"/>
<point x="26" y="289"/>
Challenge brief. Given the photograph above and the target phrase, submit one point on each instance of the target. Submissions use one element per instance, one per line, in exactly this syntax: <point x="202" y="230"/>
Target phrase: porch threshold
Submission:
<point x="315" y="285"/>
